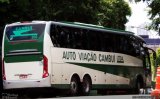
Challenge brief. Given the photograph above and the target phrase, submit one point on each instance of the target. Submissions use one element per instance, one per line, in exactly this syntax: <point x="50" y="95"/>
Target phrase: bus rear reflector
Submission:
<point x="45" y="67"/>
<point x="3" y="70"/>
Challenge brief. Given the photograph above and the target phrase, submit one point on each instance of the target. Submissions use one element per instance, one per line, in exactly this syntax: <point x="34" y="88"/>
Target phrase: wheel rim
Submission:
<point x="74" y="86"/>
<point x="138" y="88"/>
<point x="87" y="86"/>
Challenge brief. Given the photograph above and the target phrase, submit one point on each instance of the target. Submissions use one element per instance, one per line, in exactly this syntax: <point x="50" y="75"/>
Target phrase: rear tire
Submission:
<point x="139" y="88"/>
<point x="74" y="86"/>
<point x="86" y="86"/>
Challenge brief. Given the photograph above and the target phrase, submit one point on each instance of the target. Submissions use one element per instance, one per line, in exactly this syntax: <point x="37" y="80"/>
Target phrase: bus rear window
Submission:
<point x="25" y="32"/>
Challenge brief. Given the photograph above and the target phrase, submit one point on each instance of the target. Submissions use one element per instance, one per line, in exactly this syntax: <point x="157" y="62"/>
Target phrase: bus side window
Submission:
<point x="90" y="41"/>
<point x="94" y="40"/>
<point x="68" y="38"/>
<point x="64" y="37"/>
<point x="102" y="40"/>
<point x="119" y="44"/>
<point x="99" y="41"/>
<point x="123" y="49"/>
<point x="109" y="40"/>
<point x="71" y="38"/>
<point x="136" y="46"/>
<point x="106" y="38"/>
<point x="84" y="37"/>
<point x="54" y="36"/>
<point x="78" y="40"/>
<point x="131" y="49"/>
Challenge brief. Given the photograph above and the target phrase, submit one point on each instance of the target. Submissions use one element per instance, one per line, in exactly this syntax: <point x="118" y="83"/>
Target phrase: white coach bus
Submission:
<point x="75" y="56"/>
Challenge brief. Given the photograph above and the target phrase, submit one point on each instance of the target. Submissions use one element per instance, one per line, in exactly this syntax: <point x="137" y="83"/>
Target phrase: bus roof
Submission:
<point x="140" y="38"/>
<point x="94" y="27"/>
<point x="82" y="25"/>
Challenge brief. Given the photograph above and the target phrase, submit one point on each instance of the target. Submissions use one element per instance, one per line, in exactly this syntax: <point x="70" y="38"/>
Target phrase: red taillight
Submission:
<point x="45" y="67"/>
<point x="3" y="70"/>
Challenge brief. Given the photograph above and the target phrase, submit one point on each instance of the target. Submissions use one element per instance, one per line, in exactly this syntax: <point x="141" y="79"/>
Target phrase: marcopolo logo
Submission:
<point x="9" y="96"/>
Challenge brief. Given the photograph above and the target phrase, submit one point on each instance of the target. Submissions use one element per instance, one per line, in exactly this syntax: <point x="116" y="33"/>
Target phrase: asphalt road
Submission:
<point x="51" y="95"/>
<point x="107" y="97"/>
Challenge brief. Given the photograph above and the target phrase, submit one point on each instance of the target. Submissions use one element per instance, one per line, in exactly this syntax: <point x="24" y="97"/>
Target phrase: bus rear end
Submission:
<point x="23" y="63"/>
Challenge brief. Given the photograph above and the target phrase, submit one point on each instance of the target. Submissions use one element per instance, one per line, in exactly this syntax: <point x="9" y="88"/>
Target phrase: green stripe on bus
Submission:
<point x="61" y="86"/>
<point x="123" y="71"/>
<point x="110" y="86"/>
<point x="22" y="58"/>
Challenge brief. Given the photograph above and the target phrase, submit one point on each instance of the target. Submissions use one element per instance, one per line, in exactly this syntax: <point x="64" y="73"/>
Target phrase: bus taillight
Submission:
<point x="3" y="70"/>
<point x="45" y="67"/>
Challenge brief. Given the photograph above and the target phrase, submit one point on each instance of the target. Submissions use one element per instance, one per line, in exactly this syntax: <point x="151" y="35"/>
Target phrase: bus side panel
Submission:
<point x="56" y="68"/>
<point x="62" y="70"/>
<point x="47" y="52"/>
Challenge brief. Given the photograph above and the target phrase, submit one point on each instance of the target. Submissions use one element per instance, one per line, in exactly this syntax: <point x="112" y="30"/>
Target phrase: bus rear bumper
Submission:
<point x="7" y="84"/>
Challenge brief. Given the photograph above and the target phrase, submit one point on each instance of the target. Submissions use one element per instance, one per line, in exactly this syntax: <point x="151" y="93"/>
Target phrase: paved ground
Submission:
<point x="107" y="97"/>
<point x="93" y="95"/>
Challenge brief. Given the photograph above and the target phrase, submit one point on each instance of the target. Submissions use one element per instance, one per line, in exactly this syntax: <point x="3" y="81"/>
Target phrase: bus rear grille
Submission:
<point x="23" y="52"/>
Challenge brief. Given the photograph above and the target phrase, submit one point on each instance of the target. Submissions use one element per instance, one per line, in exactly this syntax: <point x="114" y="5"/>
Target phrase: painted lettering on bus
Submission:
<point x="87" y="56"/>
<point x="106" y="58"/>
<point x="120" y="59"/>
<point x="69" y="55"/>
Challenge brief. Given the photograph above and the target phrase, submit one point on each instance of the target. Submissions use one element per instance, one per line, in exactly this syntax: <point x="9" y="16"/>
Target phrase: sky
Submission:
<point x="139" y="14"/>
<point x="138" y="17"/>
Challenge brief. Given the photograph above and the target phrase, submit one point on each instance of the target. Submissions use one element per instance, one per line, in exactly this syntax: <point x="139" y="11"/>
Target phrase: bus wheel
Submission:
<point x="74" y="86"/>
<point x="86" y="85"/>
<point x="139" y="88"/>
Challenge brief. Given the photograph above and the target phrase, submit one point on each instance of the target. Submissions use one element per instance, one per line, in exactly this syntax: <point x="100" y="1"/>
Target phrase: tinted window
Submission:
<point x="25" y="32"/>
<point x="87" y="39"/>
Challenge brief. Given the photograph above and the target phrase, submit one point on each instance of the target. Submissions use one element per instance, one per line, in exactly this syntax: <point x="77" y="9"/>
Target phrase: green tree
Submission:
<point x="113" y="13"/>
<point x="4" y="0"/>
<point x="74" y="10"/>
<point x="158" y="56"/>
<point x="110" y="13"/>
<point x="155" y="14"/>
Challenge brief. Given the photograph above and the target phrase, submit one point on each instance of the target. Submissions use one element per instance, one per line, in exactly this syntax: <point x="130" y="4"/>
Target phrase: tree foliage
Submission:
<point x="110" y="13"/>
<point x="113" y="13"/>
<point x="4" y="1"/>
<point x="155" y="14"/>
